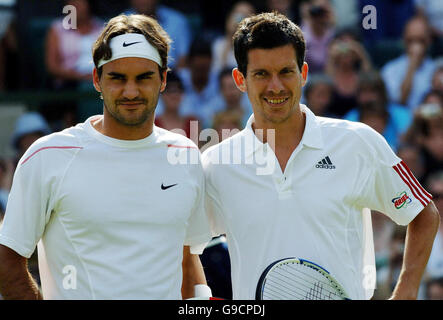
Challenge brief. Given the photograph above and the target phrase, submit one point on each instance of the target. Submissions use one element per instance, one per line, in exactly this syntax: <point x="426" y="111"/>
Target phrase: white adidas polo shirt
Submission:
<point x="313" y="209"/>
<point x="110" y="216"/>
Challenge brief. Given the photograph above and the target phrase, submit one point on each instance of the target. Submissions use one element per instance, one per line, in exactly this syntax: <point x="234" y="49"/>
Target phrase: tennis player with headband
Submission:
<point x="326" y="171"/>
<point x="113" y="219"/>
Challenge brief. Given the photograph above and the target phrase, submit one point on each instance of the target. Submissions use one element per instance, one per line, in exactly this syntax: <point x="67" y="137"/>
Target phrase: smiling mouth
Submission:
<point x="276" y="101"/>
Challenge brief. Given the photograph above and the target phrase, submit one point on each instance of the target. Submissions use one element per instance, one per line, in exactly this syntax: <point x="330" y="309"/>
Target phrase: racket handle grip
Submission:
<point x="202" y="290"/>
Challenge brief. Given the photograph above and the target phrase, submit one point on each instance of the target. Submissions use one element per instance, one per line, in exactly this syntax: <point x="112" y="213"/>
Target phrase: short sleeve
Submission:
<point x="198" y="230"/>
<point x="391" y="188"/>
<point x="29" y="206"/>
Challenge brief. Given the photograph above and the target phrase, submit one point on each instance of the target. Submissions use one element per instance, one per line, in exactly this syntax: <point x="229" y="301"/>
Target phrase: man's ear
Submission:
<point x="304" y="73"/>
<point x="163" y="85"/>
<point x="239" y="79"/>
<point x="96" y="80"/>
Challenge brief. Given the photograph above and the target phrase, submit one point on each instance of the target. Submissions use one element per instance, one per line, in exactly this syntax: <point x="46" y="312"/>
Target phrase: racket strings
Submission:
<point x="289" y="282"/>
<point x="307" y="290"/>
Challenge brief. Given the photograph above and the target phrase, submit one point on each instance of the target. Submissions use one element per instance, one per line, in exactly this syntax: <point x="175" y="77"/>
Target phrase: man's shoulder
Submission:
<point x="68" y="141"/>
<point x="229" y="142"/>
<point x="173" y="139"/>
<point x="354" y="134"/>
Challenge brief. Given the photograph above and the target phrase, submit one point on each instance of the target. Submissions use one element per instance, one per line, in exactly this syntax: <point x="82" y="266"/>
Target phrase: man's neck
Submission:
<point x="285" y="134"/>
<point x="110" y="127"/>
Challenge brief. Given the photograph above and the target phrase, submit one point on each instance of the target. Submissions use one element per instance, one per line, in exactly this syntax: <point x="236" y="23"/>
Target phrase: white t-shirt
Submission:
<point x="312" y="210"/>
<point x="110" y="216"/>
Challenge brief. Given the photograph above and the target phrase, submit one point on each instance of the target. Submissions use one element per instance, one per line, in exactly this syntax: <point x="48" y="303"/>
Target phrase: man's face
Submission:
<point x="229" y="91"/>
<point x="172" y="96"/>
<point x="200" y="67"/>
<point x="319" y="98"/>
<point x="273" y="83"/>
<point x="130" y="89"/>
<point x="416" y="35"/>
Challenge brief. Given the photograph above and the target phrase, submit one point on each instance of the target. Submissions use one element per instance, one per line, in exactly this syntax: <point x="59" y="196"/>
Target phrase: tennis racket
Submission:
<point x="298" y="279"/>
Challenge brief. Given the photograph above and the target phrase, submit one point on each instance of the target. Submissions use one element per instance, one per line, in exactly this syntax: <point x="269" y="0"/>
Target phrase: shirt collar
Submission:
<point x="312" y="135"/>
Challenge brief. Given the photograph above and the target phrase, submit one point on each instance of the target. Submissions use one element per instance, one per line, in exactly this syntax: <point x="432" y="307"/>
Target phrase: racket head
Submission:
<point x="319" y="284"/>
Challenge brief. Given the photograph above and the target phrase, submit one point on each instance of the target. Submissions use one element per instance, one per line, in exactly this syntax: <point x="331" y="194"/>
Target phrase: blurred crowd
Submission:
<point x="389" y="77"/>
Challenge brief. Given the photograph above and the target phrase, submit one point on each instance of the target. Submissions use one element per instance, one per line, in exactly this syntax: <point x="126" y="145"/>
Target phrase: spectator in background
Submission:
<point x="427" y="132"/>
<point x="408" y="77"/>
<point x="347" y="58"/>
<point x="434" y="288"/>
<point x="223" y="52"/>
<point x="392" y="119"/>
<point x="68" y="61"/>
<point x="8" y="47"/>
<point x="383" y="229"/>
<point x="318" y="30"/>
<point x="28" y="128"/>
<point x="374" y="115"/>
<point x="172" y="99"/>
<point x="389" y="276"/>
<point x="432" y="10"/>
<point x="200" y="84"/>
<point x="411" y="155"/>
<point x="175" y="24"/>
<point x="285" y="7"/>
<point x="227" y="123"/>
<point x="318" y="94"/>
<point x="435" y="186"/>
<point x="68" y="51"/>
<point x="434" y="96"/>
<point x="230" y="98"/>
<point x="437" y="77"/>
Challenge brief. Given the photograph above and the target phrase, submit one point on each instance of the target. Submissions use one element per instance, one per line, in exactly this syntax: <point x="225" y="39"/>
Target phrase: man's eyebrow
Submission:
<point x="148" y="73"/>
<point x="121" y="75"/>
<point x="257" y="70"/>
<point x="116" y="74"/>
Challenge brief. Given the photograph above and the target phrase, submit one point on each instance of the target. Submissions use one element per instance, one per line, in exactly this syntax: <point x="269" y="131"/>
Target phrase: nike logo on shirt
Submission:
<point x="167" y="187"/>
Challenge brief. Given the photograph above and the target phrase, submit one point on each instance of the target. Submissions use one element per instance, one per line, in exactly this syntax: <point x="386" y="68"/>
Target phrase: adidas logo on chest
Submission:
<point x="325" y="163"/>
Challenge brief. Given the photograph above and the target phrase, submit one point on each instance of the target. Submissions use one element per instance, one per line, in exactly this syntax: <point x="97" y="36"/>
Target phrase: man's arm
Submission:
<point x="416" y="55"/>
<point x="418" y="245"/>
<point x="16" y="283"/>
<point x="193" y="273"/>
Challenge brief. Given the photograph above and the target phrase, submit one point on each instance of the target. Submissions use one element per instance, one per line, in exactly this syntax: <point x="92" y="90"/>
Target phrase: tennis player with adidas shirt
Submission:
<point x="292" y="184"/>
<point x="113" y="218"/>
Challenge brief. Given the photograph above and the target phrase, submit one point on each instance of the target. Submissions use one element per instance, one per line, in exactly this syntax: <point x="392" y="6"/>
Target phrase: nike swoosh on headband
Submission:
<point x="130" y="44"/>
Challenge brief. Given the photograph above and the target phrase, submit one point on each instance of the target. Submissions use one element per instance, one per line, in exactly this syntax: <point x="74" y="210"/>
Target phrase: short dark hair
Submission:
<point x="135" y="23"/>
<point x="266" y="31"/>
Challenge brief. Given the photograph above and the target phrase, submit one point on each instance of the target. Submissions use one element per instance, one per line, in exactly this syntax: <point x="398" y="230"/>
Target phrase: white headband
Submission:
<point x="132" y="45"/>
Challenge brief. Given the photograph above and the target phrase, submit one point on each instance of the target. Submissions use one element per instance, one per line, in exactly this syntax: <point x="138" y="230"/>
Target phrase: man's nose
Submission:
<point x="131" y="90"/>
<point x="275" y="84"/>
